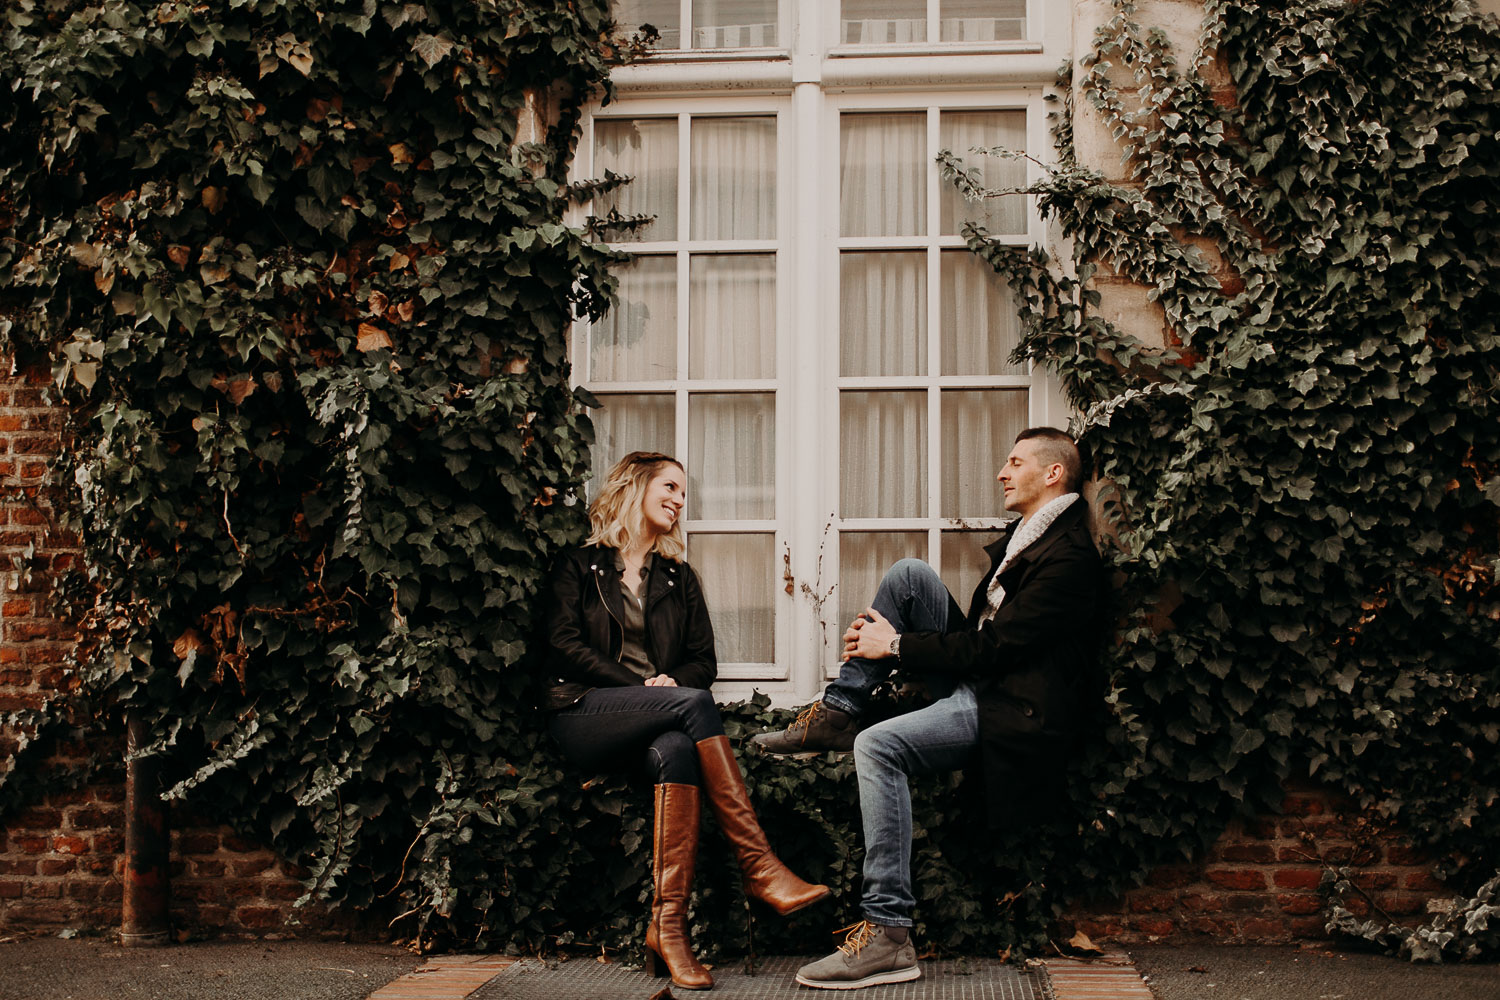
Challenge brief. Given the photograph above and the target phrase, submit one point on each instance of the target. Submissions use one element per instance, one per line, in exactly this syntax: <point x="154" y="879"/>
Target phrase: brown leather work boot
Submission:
<point x="817" y="729"/>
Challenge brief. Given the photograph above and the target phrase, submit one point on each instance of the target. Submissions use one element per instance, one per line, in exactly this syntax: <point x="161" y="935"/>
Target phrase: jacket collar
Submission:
<point x="1077" y="512"/>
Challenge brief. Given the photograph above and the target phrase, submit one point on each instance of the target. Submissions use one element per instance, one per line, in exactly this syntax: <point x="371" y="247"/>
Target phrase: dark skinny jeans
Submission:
<point x="655" y="728"/>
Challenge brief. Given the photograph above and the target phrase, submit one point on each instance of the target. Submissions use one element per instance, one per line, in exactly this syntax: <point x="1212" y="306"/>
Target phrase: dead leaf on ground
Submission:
<point x="1081" y="942"/>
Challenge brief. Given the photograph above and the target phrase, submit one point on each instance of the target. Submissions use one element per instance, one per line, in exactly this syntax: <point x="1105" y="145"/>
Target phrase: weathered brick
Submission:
<point x="1298" y="878"/>
<point x="1257" y="929"/>
<point x="258" y="917"/>
<point x="40" y="818"/>
<point x="1405" y="854"/>
<point x="70" y="845"/>
<point x="196" y="842"/>
<point x="1155" y="926"/>
<point x="1248" y="853"/>
<point x="252" y="866"/>
<point x="240" y="845"/>
<point x="1236" y="878"/>
<point x="1151" y="902"/>
<point x="110" y="842"/>
<point x="1303" y="805"/>
<point x="1400" y="904"/>
<point x="1300" y="904"/>
<point x="1171" y="876"/>
<point x="20" y="608"/>
<point x="1214" y="926"/>
<point x="57" y="866"/>
<point x="18" y="866"/>
<point x="10" y="889"/>
<point x="208" y="867"/>
<point x="1424" y="882"/>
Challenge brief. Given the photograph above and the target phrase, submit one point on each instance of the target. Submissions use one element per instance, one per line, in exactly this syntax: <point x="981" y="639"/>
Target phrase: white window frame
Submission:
<point x="776" y="672"/>
<point x="808" y="84"/>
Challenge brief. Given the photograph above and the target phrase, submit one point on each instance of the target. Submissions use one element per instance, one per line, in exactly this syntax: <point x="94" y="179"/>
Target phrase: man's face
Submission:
<point x="1028" y="483"/>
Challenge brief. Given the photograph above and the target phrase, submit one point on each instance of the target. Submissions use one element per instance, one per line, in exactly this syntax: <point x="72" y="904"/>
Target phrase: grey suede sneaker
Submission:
<point x="817" y="729"/>
<point x="868" y="957"/>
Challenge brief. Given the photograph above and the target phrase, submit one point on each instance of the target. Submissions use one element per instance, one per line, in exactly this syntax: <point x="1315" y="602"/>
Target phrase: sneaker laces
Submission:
<point x="860" y="934"/>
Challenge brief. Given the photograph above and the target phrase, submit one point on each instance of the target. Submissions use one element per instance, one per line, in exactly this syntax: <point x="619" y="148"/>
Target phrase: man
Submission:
<point x="1011" y="682"/>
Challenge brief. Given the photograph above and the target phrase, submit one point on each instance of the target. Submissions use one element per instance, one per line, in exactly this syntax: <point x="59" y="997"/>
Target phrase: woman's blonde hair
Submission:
<point x="616" y="514"/>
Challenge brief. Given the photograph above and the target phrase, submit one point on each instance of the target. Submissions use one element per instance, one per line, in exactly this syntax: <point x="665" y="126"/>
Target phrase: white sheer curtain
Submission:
<point x="731" y="455"/>
<point x="733" y="23"/>
<point x="978" y="427"/>
<point x="626" y="423"/>
<point x="864" y="556"/>
<point x="965" y="562"/>
<point x="882" y="174"/>
<point x="637" y="339"/>
<point x="980" y="327"/>
<point x="881" y="22"/>
<point x="664" y="15"/>
<point x="736" y="570"/>
<point x="981" y="20"/>
<point x="883" y="450"/>
<point x="733" y="184"/>
<point x="645" y="149"/>
<point x="961" y="131"/>
<point x="732" y="316"/>
<point x="882" y="313"/>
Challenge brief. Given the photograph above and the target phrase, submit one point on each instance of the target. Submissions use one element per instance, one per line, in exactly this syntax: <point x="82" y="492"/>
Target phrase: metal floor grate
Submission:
<point x="585" y="979"/>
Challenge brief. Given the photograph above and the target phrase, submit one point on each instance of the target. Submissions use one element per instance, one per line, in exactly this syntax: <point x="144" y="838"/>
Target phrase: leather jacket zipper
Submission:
<point x="620" y="651"/>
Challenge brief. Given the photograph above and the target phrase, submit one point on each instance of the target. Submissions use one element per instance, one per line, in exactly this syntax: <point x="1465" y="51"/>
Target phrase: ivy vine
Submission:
<point x="1306" y="479"/>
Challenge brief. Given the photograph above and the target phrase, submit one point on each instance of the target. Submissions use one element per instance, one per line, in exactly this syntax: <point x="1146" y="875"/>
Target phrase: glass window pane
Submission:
<point x="883" y="313"/>
<point x="733" y="24"/>
<point x="739" y="585"/>
<point x="960" y="131"/>
<point x="734" y="178"/>
<point x="625" y="423"/>
<point x="881" y="172"/>
<point x="664" y="15"/>
<point x="731" y="455"/>
<point x="982" y="20"/>
<point x="732" y="316"/>
<point x="883" y="22"/>
<point x="864" y="556"/>
<point x="979" y="426"/>
<point x="637" y="338"/>
<point x="980" y="326"/>
<point x="644" y="149"/>
<point x="883" y="454"/>
<point x="965" y="562"/>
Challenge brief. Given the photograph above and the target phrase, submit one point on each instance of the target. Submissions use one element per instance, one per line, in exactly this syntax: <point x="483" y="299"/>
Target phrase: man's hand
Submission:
<point x="869" y="636"/>
<point x="660" y="681"/>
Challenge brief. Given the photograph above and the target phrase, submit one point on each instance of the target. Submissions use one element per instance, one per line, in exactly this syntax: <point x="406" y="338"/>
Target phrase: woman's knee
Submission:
<point x="673" y="759"/>
<point x="700" y="714"/>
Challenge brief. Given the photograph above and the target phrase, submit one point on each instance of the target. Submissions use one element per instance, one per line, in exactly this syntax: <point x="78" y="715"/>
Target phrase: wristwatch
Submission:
<point x="895" y="647"/>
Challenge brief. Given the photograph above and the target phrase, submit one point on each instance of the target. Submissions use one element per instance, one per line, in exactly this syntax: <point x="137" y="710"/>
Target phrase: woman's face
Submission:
<point x="665" y="495"/>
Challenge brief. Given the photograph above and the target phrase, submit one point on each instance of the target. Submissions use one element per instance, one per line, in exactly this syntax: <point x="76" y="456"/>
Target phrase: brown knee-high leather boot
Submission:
<point x="766" y="878"/>
<point x="674" y="855"/>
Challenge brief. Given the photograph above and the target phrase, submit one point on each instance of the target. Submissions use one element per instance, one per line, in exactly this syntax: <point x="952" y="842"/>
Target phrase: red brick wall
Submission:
<point x="61" y="857"/>
<point x="1259" y="883"/>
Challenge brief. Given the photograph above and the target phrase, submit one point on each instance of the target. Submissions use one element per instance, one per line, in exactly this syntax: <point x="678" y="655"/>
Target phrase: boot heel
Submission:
<point x="655" y="967"/>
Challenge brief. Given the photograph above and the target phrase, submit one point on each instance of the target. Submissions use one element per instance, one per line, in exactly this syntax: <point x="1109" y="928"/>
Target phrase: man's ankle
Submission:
<point x="897" y="934"/>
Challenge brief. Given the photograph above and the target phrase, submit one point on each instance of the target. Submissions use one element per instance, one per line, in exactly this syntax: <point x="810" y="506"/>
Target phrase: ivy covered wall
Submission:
<point x="304" y="301"/>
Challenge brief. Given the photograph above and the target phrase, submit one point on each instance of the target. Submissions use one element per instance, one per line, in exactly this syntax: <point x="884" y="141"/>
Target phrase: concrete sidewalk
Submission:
<point x="47" y="968"/>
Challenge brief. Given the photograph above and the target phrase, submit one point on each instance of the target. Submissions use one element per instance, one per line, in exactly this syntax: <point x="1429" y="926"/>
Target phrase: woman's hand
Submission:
<point x="660" y="681"/>
<point x="869" y="636"/>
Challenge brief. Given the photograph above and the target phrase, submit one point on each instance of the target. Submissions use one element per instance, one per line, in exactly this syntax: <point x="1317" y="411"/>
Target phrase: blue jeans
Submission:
<point x="940" y="737"/>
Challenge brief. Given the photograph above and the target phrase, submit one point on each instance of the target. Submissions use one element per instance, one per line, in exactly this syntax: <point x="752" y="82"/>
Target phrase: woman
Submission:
<point x="633" y="651"/>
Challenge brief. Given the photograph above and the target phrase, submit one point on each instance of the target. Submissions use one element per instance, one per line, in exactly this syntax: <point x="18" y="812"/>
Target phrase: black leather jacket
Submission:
<point x="582" y="616"/>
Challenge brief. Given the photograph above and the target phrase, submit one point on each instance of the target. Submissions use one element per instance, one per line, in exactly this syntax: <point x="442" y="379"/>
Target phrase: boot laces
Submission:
<point x="805" y="719"/>
<point x="859" y="935"/>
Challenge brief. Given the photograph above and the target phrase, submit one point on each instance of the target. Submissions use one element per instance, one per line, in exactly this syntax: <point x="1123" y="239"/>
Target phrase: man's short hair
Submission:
<point x="1057" y="447"/>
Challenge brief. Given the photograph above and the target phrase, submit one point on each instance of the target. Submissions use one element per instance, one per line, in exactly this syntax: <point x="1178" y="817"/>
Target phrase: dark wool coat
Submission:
<point x="582" y="625"/>
<point x="1033" y="667"/>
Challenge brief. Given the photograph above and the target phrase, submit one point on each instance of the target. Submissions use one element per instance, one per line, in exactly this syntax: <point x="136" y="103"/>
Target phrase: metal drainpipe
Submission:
<point x="147" y="851"/>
